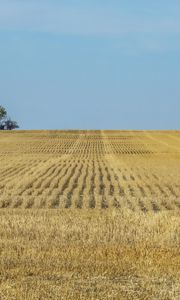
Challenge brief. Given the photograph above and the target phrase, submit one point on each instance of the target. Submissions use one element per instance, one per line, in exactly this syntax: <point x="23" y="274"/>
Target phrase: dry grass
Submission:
<point x="114" y="230"/>
<point x="112" y="254"/>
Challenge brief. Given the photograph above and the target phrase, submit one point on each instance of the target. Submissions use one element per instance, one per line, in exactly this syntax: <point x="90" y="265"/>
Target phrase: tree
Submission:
<point x="5" y="122"/>
<point x="3" y="112"/>
<point x="9" y="124"/>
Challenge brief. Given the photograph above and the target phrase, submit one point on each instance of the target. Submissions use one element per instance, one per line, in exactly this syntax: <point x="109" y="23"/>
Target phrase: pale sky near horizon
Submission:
<point x="91" y="64"/>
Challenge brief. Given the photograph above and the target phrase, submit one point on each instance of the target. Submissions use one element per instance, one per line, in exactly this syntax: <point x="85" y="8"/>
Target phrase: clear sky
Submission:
<point x="91" y="64"/>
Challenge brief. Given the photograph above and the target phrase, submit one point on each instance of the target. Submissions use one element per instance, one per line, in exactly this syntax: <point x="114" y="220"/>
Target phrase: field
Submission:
<point x="90" y="215"/>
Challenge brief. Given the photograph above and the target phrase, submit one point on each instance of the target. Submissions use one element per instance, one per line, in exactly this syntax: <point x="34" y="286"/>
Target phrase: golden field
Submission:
<point x="90" y="215"/>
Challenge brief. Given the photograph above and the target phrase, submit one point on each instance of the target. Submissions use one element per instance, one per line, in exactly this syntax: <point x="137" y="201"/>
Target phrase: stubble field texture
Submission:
<point x="90" y="215"/>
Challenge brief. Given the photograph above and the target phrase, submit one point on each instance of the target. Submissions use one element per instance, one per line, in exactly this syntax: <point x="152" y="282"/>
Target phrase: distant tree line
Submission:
<point x="5" y="121"/>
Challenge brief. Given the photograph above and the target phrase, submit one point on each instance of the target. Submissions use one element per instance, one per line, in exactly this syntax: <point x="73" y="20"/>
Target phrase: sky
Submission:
<point x="94" y="64"/>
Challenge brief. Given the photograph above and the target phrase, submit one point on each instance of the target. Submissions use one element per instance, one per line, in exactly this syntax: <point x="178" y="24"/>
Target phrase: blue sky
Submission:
<point x="93" y="64"/>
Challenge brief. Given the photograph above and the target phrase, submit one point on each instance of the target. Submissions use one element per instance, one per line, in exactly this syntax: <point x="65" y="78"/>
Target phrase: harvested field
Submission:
<point x="90" y="215"/>
<point x="83" y="169"/>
